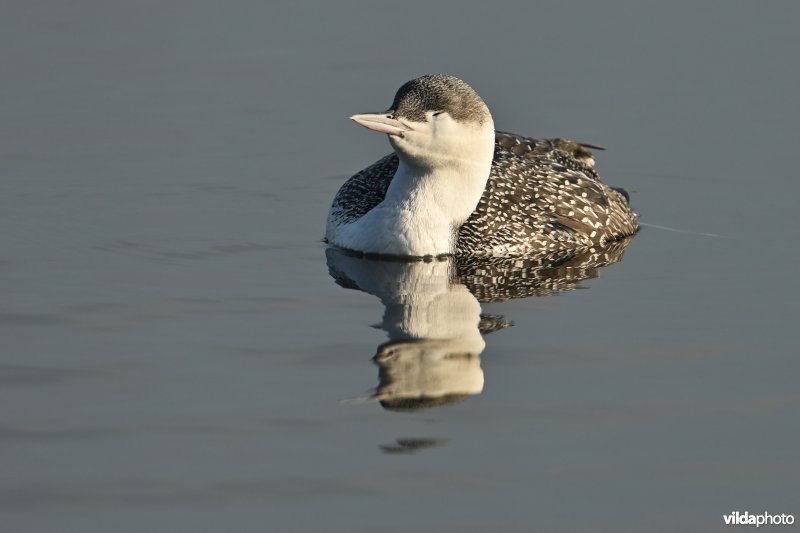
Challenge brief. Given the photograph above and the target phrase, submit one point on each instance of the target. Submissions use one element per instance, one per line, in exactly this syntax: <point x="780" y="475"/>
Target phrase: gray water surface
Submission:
<point x="176" y="357"/>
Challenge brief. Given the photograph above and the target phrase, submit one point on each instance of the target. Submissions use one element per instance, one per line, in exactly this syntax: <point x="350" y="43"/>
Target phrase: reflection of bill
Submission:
<point x="412" y="445"/>
<point x="433" y="316"/>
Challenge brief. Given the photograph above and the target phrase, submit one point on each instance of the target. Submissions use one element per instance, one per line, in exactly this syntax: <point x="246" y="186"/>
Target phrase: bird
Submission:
<point x="455" y="186"/>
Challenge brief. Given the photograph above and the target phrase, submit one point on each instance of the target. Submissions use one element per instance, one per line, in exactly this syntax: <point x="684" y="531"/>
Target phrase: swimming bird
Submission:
<point x="456" y="186"/>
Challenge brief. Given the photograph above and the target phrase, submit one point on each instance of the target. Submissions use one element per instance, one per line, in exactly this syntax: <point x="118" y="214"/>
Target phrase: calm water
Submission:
<point x="177" y="357"/>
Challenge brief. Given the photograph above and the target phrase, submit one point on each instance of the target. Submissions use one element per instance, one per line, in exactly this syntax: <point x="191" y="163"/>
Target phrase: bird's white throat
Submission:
<point x="437" y="186"/>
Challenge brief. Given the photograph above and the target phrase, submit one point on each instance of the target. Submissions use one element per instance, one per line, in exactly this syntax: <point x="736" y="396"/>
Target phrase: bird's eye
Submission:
<point x="437" y="113"/>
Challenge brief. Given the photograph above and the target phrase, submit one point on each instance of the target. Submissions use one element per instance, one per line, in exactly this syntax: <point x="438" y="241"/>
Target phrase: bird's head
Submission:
<point x="436" y="120"/>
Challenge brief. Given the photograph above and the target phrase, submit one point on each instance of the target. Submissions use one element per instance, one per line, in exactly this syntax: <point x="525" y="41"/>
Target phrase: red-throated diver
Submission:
<point x="455" y="186"/>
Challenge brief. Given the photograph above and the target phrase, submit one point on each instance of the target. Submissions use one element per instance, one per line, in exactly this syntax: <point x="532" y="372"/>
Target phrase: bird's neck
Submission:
<point x="426" y="206"/>
<point x="430" y="196"/>
<point x="451" y="190"/>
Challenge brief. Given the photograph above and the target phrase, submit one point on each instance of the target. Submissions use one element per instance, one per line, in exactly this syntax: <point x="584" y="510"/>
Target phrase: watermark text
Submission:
<point x="764" y="519"/>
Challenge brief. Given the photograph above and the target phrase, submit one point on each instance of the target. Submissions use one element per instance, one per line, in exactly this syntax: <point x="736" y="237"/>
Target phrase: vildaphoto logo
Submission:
<point x="764" y="519"/>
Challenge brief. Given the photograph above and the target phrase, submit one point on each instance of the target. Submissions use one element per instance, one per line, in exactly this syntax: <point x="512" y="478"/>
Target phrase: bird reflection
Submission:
<point x="409" y="446"/>
<point x="432" y="314"/>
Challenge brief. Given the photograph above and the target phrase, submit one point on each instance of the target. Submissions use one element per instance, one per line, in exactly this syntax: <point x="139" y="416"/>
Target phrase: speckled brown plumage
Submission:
<point x="542" y="196"/>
